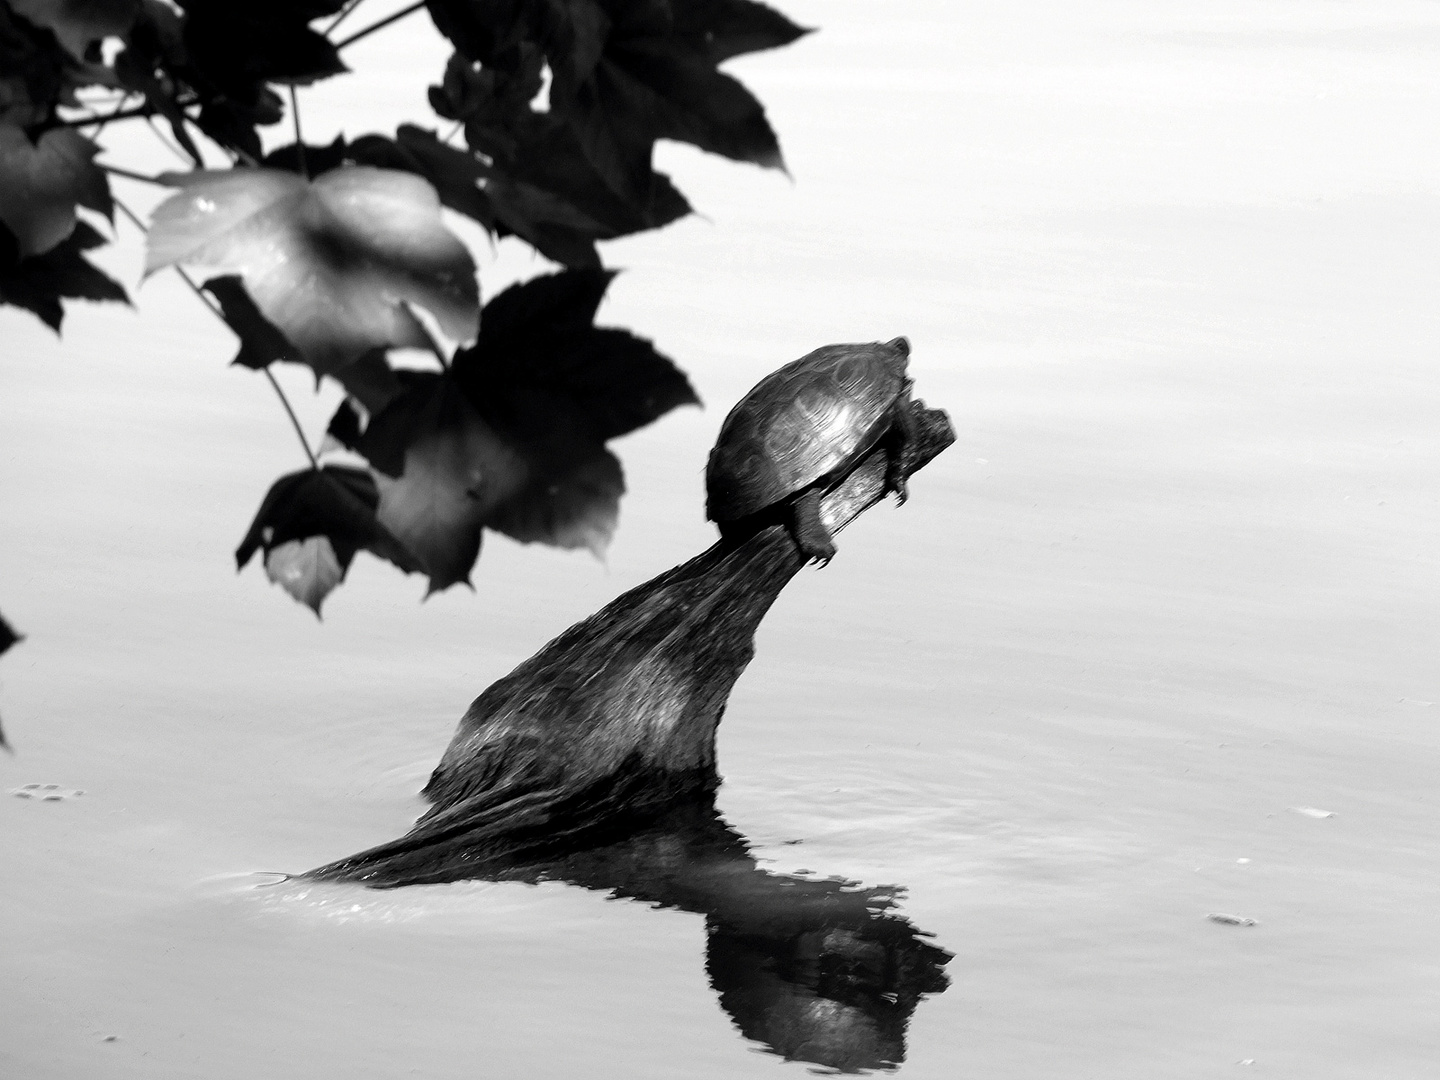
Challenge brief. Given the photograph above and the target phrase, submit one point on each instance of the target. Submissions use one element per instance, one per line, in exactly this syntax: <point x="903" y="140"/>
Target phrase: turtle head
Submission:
<point x="900" y="353"/>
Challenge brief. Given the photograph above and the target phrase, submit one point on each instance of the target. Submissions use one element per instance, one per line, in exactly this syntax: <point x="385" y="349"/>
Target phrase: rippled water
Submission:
<point x="1171" y="270"/>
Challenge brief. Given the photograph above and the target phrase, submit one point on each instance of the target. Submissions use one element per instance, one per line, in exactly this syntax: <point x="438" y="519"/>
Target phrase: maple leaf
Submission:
<point x="8" y="637"/>
<point x="548" y="191"/>
<point x="309" y="569"/>
<point x="261" y="341"/>
<point x="33" y="72"/>
<point x="39" y="282"/>
<point x="538" y="337"/>
<point x="155" y="46"/>
<point x="77" y="23"/>
<point x="440" y="470"/>
<point x="310" y="526"/>
<point x="539" y="181"/>
<point x="330" y="262"/>
<point x="628" y="72"/>
<point x="239" y="46"/>
<point x="41" y="183"/>
<point x="572" y="504"/>
<point x="455" y="174"/>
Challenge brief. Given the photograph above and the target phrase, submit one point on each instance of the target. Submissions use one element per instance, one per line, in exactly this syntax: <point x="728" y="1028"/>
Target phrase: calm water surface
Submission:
<point x="1173" y="273"/>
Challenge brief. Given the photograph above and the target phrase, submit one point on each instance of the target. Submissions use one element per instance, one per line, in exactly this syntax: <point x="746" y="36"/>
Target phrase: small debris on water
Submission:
<point x="1231" y="920"/>
<point x="1312" y="811"/>
<point x="45" y="792"/>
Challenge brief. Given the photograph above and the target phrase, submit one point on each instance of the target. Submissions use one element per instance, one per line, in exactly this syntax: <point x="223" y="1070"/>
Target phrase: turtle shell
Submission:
<point x="812" y="418"/>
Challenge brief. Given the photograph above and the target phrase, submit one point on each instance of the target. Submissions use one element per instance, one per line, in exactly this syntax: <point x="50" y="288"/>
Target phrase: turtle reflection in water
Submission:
<point x="801" y="431"/>
<point x="594" y="761"/>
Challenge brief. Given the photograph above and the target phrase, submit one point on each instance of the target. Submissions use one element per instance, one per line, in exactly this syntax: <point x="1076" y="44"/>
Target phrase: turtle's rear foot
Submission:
<point x="895" y="475"/>
<point x="808" y="531"/>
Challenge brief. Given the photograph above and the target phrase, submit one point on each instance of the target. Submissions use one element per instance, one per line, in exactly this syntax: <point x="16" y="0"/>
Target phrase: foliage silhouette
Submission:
<point x="334" y="255"/>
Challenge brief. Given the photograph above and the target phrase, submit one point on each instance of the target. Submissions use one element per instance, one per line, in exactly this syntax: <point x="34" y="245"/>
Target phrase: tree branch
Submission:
<point x="402" y="13"/>
<point x="215" y="310"/>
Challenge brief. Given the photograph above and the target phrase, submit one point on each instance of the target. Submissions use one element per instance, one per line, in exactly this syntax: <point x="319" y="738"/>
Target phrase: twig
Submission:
<point x="299" y="139"/>
<point x="186" y="158"/>
<point x="116" y="170"/>
<point x="349" y="10"/>
<point x="379" y="25"/>
<point x="123" y="114"/>
<point x="430" y="341"/>
<point x="215" y="310"/>
<point x="119" y="108"/>
<point x="294" y="420"/>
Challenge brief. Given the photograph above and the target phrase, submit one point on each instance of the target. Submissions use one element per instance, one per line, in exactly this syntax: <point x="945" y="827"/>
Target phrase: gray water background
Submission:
<point x="1173" y="272"/>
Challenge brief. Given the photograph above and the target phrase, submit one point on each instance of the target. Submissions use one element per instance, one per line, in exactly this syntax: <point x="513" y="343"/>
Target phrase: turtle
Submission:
<point x="801" y="431"/>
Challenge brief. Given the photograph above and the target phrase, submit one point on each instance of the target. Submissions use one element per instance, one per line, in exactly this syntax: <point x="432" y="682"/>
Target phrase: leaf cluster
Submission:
<point x="510" y="437"/>
<point x="333" y="256"/>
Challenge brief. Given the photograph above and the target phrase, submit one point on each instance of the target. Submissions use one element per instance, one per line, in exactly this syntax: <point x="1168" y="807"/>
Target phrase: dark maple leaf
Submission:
<point x="441" y="470"/>
<point x="261" y="341"/>
<point x="41" y="183"/>
<point x="34" y="72"/>
<point x="232" y="123"/>
<point x="575" y="503"/>
<point x="628" y="72"/>
<point x="39" y="282"/>
<point x="656" y="88"/>
<point x="548" y="191"/>
<point x="152" y="62"/>
<point x="8" y="637"/>
<point x="725" y="28"/>
<point x="371" y="381"/>
<point x="335" y="504"/>
<point x="240" y="46"/>
<point x="77" y="23"/>
<point x="539" y="336"/>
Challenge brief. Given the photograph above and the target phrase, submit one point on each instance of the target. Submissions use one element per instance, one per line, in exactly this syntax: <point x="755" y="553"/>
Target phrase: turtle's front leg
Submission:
<point x="902" y="436"/>
<point x="806" y="528"/>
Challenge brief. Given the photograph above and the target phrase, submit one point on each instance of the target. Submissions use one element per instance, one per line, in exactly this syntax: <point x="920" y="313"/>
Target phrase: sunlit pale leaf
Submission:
<point x="330" y="262"/>
<point x="307" y="569"/>
<point x="335" y="505"/>
<point x="41" y="183"/>
<point x="79" y="22"/>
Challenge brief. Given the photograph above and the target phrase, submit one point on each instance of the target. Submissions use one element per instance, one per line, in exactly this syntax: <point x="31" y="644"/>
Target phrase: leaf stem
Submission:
<point x="215" y="310"/>
<point x="299" y="139"/>
<point x="181" y="154"/>
<point x="349" y="10"/>
<point x="294" y="420"/>
<point x="121" y="114"/>
<point x="116" y="170"/>
<point x="396" y="17"/>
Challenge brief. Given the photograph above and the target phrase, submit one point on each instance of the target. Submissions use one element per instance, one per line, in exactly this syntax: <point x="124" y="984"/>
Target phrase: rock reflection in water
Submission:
<point x="816" y="970"/>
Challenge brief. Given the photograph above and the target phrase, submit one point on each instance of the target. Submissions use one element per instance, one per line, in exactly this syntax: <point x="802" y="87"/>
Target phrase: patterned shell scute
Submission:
<point x="809" y="419"/>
